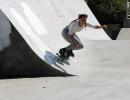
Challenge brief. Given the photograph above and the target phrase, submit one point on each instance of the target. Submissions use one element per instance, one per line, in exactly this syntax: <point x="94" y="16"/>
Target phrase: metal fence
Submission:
<point x="128" y="9"/>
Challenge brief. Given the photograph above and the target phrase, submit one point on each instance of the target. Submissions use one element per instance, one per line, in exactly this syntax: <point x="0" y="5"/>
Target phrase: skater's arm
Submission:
<point x="99" y="27"/>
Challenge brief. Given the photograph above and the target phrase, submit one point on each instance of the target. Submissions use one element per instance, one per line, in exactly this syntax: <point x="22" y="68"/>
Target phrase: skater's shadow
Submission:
<point x="52" y="59"/>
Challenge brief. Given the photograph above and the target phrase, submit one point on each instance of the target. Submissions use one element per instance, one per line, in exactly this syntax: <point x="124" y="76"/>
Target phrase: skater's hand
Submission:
<point x="104" y="26"/>
<point x="98" y="27"/>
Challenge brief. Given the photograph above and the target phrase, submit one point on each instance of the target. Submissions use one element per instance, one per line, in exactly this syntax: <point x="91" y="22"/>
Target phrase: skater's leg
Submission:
<point x="70" y="53"/>
<point x="69" y="39"/>
<point x="64" y="53"/>
<point x="65" y="34"/>
<point x="76" y="44"/>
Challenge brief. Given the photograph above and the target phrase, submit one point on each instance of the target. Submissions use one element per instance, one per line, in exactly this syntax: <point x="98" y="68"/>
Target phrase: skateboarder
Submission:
<point x="69" y="35"/>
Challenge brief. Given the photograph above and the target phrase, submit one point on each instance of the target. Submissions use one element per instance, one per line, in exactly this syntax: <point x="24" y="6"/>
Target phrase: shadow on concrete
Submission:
<point x="55" y="60"/>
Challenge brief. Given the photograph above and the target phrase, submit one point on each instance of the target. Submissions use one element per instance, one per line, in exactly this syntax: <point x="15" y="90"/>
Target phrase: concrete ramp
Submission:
<point x="124" y="34"/>
<point x="40" y="23"/>
<point x="5" y="30"/>
<point x="102" y="67"/>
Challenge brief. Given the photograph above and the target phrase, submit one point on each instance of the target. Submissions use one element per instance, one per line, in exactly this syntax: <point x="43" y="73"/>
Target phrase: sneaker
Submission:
<point x="63" y="52"/>
<point x="70" y="52"/>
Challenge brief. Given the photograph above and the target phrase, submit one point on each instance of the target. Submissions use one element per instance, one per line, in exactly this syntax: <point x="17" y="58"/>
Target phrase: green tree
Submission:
<point x="105" y="10"/>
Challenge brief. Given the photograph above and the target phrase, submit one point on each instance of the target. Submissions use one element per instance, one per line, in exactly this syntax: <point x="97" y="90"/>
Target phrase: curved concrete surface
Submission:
<point x="5" y="30"/>
<point x="40" y="24"/>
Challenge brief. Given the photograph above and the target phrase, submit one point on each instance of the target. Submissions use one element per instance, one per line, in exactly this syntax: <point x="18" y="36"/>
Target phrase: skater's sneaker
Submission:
<point x="70" y="52"/>
<point x="63" y="53"/>
<point x="67" y="56"/>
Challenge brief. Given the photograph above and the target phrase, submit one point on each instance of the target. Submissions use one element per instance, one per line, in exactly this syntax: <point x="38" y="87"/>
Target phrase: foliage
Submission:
<point x="105" y="10"/>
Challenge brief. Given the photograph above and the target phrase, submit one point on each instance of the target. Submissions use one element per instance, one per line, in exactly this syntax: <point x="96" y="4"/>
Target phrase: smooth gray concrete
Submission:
<point x="124" y="34"/>
<point x="104" y="76"/>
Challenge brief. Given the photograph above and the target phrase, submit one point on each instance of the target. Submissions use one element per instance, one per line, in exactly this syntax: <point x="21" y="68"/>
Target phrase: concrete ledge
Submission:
<point x="124" y="34"/>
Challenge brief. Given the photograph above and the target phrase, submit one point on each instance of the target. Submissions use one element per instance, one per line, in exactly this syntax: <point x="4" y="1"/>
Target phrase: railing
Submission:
<point x="128" y="10"/>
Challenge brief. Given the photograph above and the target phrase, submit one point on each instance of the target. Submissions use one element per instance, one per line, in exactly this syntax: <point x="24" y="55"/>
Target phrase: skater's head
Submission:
<point x="82" y="19"/>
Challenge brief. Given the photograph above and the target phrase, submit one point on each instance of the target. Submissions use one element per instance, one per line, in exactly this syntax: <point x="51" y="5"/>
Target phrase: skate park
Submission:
<point x="33" y="37"/>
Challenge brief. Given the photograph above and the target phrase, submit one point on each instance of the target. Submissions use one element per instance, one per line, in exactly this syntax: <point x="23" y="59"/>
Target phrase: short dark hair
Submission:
<point x="82" y="15"/>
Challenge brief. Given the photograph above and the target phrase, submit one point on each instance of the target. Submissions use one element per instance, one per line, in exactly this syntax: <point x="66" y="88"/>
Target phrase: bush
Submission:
<point x="108" y="11"/>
